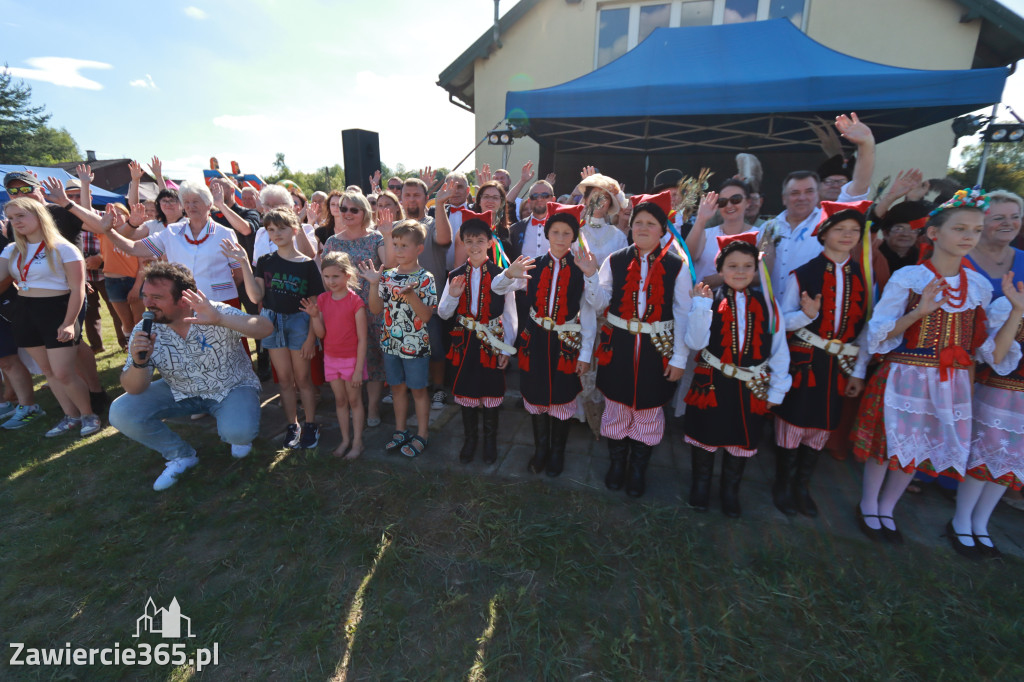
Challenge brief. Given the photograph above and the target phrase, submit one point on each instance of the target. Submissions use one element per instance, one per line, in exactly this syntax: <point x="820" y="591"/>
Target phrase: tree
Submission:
<point x="24" y="136"/>
<point x="1004" y="169"/>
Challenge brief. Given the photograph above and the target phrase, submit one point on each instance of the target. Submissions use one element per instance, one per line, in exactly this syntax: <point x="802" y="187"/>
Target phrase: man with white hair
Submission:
<point x="458" y="200"/>
<point x="276" y="196"/>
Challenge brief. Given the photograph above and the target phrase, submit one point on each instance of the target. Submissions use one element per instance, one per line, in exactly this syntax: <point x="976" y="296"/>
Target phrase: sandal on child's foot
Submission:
<point x="398" y="439"/>
<point x="414" y="446"/>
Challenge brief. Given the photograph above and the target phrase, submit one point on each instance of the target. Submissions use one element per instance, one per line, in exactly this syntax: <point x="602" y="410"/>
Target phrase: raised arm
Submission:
<point x="524" y="178"/>
<point x="204" y="312"/>
<point x="860" y="134"/>
<point x="85" y="176"/>
<point x="156" y="168"/>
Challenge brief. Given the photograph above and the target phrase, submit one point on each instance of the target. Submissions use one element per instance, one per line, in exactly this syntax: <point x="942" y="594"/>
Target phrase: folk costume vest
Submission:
<point x="548" y="359"/>
<point x="476" y="364"/>
<point x="628" y="373"/>
<point x="721" y="410"/>
<point x="815" y="401"/>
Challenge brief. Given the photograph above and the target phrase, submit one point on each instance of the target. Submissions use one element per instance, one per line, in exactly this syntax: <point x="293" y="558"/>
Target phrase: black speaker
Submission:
<point x="361" y="149"/>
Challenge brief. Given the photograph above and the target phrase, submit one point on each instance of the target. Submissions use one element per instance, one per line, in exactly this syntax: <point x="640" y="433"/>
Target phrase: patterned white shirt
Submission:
<point x="208" y="363"/>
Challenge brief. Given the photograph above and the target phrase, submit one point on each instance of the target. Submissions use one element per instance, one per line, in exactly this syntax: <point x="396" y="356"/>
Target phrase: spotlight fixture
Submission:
<point x="1004" y="132"/>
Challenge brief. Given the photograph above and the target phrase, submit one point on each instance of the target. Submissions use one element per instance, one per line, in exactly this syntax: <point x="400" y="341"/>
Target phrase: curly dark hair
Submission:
<point x="178" y="275"/>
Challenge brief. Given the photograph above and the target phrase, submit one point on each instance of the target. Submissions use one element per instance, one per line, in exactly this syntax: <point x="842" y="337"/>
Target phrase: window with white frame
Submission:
<point x="621" y="27"/>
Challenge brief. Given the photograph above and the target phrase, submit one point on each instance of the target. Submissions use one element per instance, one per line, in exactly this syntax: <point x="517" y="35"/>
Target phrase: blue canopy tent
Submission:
<point x="99" y="196"/>
<point x="758" y="87"/>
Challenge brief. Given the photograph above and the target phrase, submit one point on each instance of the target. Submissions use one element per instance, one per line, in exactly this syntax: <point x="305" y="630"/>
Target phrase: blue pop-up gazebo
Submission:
<point x="754" y="87"/>
<point x="100" y="196"/>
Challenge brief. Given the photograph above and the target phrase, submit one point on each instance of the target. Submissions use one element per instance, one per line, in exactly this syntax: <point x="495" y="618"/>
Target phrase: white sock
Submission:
<point x="967" y="495"/>
<point x="241" y="450"/>
<point x="874" y="476"/>
<point x="895" y="483"/>
<point x="990" y="496"/>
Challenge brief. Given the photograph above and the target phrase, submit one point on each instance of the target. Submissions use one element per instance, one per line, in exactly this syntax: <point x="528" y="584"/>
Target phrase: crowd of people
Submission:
<point x="893" y="326"/>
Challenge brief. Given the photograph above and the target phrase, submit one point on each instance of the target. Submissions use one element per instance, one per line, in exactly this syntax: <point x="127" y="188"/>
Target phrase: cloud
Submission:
<point x="60" y="71"/>
<point x="146" y="82"/>
<point x="247" y="123"/>
<point x="195" y="12"/>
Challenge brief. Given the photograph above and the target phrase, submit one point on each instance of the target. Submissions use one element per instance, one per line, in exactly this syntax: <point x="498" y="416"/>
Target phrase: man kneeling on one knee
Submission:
<point x="196" y="345"/>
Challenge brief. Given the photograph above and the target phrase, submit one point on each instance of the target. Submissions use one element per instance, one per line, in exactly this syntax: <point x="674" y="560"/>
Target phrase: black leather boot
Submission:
<point x="559" y="434"/>
<point x="639" y="456"/>
<point x="807" y="459"/>
<point x="785" y="477"/>
<point x="702" y="465"/>
<point x="470" y="434"/>
<point x="541" y="442"/>
<point x="618" y="453"/>
<point x="729" y="491"/>
<point x="490" y="434"/>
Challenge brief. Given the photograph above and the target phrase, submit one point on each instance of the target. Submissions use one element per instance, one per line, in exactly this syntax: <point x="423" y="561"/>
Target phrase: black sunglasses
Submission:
<point x="395" y="188"/>
<point x="347" y="209"/>
<point x="734" y="199"/>
<point x="540" y="195"/>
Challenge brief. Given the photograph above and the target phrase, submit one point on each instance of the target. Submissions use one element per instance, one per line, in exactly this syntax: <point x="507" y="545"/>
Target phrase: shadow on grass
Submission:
<point x="307" y="566"/>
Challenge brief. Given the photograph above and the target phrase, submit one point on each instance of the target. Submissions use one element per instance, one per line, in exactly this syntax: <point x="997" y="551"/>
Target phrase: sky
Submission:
<point x="244" y="80"/>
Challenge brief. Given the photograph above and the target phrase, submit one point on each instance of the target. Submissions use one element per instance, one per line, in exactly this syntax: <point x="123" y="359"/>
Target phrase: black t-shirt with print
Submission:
<point x="287" y="282"/>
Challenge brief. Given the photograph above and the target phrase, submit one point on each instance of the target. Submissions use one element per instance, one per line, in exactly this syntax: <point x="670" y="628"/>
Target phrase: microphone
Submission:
<point x="147" y="327"/>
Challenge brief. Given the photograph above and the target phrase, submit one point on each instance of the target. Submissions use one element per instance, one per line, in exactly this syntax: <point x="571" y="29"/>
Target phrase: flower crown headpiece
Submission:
<point x="974" y="197"/>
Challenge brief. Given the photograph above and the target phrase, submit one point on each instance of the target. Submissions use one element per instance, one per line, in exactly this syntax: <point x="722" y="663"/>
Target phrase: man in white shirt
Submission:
<point x="194" y="343"/>
<point x="790" y="244"/>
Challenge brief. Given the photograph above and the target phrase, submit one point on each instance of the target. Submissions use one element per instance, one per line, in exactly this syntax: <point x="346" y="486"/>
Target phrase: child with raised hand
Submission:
<point x="338" y="316"/>
<point x="407" y="296"/>
<point x="280" y="281"/>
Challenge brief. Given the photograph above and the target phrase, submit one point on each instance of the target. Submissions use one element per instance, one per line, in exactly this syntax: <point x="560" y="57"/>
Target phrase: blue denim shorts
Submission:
<point x="118" y="287"/>
<point x="413" y="372"/>
<point x="290" y="330"/>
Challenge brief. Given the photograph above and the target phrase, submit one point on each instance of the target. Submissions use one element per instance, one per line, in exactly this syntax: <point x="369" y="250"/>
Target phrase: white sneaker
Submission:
<point x="438" y="400"/>
<point x="174" y="469"/>
<point x="90" y="424"/>
<point x="240" y="451"/>
<point x="65" y="425"/>
<point x="388" y="400"/>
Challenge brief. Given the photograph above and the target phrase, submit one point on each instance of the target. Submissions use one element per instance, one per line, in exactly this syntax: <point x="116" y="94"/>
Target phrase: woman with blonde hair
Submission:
<point x="50" y="275"/>
<point x="349" y="218"/>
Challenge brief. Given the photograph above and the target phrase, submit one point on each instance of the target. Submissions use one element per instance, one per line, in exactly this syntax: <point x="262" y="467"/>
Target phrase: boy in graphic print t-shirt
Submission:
<point x="407" y="297"/>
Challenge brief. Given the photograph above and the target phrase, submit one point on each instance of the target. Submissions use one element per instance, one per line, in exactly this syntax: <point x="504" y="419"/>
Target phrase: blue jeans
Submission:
<point x="140" y="417"/>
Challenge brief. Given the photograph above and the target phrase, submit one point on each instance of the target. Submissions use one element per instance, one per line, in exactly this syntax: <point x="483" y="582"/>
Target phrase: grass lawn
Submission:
<point x="300" y="566"/>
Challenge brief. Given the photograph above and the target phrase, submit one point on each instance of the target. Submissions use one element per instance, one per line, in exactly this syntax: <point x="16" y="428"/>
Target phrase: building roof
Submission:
<point x="1000" y="42"/>
<point x="458" y="77"/>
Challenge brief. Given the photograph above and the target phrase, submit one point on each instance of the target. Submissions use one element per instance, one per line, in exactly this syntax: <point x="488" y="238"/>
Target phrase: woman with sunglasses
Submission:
<point x="489" y="198"/>
<point x="732" y="205"/>
<point x="349" y="220"/>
